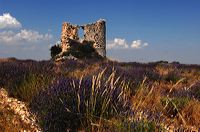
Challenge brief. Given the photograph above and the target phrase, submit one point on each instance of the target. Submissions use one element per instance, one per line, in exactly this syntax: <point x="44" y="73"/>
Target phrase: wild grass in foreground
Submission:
<point x="106" y="95"/>
<point x="85" y="103"/>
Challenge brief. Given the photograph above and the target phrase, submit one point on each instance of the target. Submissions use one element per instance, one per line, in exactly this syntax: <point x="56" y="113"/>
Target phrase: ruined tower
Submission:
<point x="94" y="32"/>
<point x="69" y="32"/>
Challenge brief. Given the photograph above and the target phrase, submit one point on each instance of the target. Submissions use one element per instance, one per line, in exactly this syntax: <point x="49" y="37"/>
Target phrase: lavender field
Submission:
<point x="104" y="95"/>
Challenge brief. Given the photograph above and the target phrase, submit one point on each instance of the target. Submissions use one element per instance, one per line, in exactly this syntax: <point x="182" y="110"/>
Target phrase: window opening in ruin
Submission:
<point x="81" y="34"/>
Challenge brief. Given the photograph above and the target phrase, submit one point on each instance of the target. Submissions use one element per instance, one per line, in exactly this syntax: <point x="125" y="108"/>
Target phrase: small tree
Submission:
<point x="55" y="50"/>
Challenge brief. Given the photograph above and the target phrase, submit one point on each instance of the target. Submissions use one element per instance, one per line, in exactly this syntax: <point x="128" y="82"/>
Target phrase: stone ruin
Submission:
<point x="94" y="32"/>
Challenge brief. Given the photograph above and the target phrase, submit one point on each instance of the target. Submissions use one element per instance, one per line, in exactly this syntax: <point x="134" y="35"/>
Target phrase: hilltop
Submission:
<point x="104" y="95"/>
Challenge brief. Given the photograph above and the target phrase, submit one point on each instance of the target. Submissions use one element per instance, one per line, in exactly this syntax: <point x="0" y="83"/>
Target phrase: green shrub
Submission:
<point x="55" y="50"/>
<point x="82" y="50"/>
<point x="127" y="125"/>
<point x="173" y="76"/>
<point x="174" y="105"/>
<point x="30" y="86"/>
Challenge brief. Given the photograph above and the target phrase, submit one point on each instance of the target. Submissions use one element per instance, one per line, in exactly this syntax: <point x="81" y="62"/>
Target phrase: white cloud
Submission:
<point x="20" y="36"/>
<point x="145" y="44"/>
<point x="137" y="44"/>
<point x="20" y="42"/>
<point x="8" y="21"/>
<point x="23" y="36"/>
<point x="117" y="43"/>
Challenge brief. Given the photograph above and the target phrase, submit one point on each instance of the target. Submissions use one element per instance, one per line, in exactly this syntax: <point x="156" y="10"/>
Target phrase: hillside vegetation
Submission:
<point x="91" y="95"/>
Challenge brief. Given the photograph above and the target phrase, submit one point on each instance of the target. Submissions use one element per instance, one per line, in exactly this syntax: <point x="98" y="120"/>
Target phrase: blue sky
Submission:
<point x="137" y="30"/>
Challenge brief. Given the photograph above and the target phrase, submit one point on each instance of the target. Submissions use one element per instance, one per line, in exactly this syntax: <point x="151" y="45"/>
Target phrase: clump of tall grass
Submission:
<point x="31" y="85"/>
<point x="22" y="79"/>
<point x="174" y="106"/>
<point x="85" y="103"/>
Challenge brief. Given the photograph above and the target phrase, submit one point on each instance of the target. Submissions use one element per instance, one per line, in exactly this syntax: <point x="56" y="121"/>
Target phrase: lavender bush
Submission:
<point x="73" y="104"/>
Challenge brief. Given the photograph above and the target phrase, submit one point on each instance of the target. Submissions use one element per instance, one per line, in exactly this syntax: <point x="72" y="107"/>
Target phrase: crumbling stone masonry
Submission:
<point x="68" y="32"/>
<point x="94" y="32"/>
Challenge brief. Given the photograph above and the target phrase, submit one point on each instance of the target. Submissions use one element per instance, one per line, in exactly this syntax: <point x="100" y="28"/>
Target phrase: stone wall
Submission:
<point x="69" y="32"/>
<point x="94" y="32"/>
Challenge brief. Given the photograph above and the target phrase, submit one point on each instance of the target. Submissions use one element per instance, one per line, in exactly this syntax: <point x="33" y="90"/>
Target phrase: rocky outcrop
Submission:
<point x="15" y="116"/>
